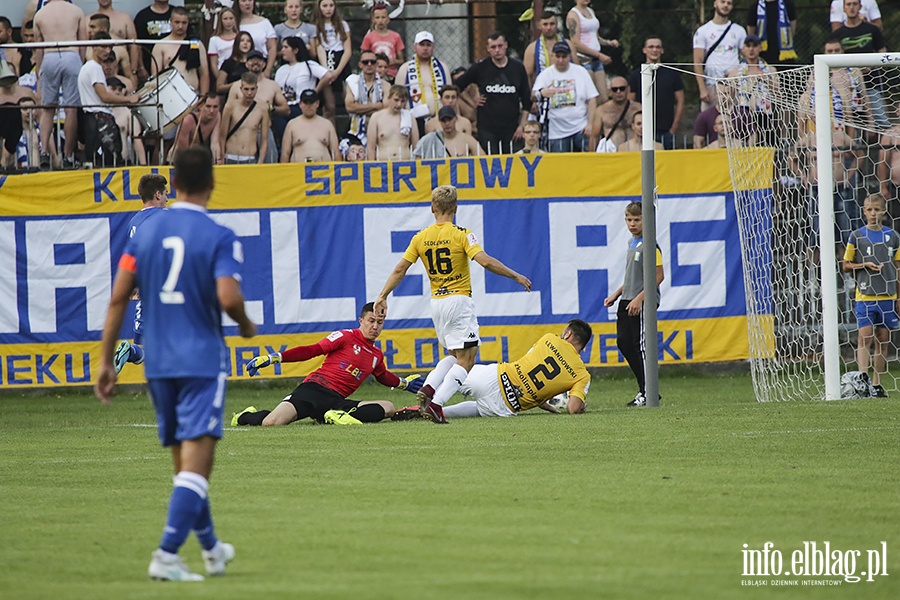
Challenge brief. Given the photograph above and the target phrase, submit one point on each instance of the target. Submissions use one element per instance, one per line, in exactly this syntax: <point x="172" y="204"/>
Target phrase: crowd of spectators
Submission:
<point x="300" y="92"/>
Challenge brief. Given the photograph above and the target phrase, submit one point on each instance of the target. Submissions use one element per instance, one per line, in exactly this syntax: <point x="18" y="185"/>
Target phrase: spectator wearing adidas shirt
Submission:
<point x="503" y="84"/>
<point x="717" y="44"/>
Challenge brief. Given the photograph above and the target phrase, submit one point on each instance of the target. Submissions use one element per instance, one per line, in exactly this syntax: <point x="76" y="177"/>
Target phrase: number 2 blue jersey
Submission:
<point x="177" y="258"/>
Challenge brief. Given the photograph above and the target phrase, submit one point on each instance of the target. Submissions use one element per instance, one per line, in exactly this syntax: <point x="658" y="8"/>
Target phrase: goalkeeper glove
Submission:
<point x="411" y="384"/>
<point x="257" y="362"/>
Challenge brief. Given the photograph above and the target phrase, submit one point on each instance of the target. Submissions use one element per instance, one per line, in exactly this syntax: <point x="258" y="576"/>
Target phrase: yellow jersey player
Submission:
<point x="445" y="250"/>
<point x="552" y="366"/>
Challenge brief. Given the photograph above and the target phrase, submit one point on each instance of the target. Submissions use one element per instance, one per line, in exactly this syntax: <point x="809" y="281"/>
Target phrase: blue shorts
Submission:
<point x="595" y="65"/>
<point x="188" y="408"/>
<point x="878" y="313"/>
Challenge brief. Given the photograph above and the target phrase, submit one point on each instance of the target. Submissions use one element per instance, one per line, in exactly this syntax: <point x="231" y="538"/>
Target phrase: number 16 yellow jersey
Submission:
<point x="551" y="367"/>
<point x="445" y="250"/>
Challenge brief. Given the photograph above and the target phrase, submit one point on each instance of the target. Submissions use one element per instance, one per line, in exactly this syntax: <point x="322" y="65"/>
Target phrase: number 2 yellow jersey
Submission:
<point x="445" y="250"/>
<point x="551" y="367"/>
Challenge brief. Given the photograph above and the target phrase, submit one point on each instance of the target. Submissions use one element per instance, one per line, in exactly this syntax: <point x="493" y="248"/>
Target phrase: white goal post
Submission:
<point x="823" y="63"/>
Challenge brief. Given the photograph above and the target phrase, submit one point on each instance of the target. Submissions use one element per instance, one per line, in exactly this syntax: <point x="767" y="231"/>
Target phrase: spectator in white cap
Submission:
<point x="423" y="75"/>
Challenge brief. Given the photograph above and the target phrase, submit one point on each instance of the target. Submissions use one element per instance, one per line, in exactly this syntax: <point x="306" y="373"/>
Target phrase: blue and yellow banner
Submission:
<point x="320" y="240"/>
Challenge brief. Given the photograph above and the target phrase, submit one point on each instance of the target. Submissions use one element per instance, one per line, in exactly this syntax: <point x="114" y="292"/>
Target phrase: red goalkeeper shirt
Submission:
<point x="349" y="359"/>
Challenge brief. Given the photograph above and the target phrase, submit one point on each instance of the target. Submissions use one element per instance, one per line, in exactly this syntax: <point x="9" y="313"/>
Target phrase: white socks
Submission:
<point x="456" y="376"/>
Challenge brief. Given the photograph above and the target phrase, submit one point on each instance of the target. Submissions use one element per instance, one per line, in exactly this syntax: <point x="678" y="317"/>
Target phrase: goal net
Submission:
<point x="825" y="163"/>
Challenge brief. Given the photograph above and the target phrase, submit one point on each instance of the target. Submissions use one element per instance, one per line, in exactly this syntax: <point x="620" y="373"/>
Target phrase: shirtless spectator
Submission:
<point x="121" y="27"/>
<point x="450" y="97"/>
<point x="97" y="23"/>
<point x="467" y="104"/>
<point x="201" y="128"/>
<point x="612" y="119"/>
<point x="309" y="137"/>
<point x="190" y="61"/>
<point x="449" y="141"/>
<point x="634" y="144"/>
<point x="130" y="128"/>
<point x="247" y="125"/>
<point x="392" y="130"/>
<point x="268" y="95"/>
<point x="58" y="67"/>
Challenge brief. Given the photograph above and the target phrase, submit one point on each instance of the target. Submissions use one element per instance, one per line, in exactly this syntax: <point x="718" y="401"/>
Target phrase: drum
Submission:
<point x="168" y="97"/>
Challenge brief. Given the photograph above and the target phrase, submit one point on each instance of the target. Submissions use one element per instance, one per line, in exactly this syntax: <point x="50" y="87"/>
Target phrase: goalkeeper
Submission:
<point x="350" y="357"/>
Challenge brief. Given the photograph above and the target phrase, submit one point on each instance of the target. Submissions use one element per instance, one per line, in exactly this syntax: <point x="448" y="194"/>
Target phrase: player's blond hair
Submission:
<point x="877" y="198"/>
<point x="443" y="200"/>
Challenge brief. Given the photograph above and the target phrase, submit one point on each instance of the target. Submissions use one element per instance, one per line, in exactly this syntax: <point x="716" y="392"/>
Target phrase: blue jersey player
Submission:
<point x="187" y="268"/>
<point x="152" y="190"/>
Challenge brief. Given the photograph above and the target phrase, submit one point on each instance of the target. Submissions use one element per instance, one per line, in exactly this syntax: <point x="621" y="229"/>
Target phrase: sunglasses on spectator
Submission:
<point x="619" y="88"/>
<point x="367" y="62"/>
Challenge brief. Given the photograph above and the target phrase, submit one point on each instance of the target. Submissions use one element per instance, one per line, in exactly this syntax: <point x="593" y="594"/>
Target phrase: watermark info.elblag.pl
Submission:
<point x="812" y="564"/>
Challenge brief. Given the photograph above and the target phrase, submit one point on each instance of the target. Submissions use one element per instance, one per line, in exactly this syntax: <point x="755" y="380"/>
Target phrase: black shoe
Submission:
<point x="639" y="400"/>
<point x="45" y="161"/>
<point x="878" y="392"/>
<point x="70" y="163"/>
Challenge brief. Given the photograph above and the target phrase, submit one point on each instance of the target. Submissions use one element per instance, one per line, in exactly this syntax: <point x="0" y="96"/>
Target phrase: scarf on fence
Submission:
<point x="413" y="82"/>
<point x="785" y="35"/>
<point x="365" y="96"/>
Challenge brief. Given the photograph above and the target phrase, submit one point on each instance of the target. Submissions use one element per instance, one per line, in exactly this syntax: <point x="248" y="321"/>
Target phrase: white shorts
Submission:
<point x="455" y="322"/>
<point x="483" y="386"/>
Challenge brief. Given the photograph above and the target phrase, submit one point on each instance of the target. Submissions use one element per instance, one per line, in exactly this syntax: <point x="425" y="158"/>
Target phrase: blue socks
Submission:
<point x="136" y="355"/>
<point x="188" y="509"/>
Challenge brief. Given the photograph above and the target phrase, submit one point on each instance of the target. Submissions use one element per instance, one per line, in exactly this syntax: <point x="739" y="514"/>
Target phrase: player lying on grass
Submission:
<point x="551" y="367"/>
<point x="350" y="357"/>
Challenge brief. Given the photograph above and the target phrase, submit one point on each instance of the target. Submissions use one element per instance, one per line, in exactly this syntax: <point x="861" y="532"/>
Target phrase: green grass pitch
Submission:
<point x="615" y="503"/>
